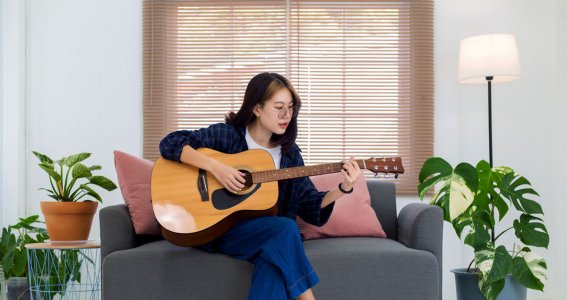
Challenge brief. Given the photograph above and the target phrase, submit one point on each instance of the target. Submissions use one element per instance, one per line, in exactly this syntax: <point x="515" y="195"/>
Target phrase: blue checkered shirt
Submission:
<point x="297" y="197"/>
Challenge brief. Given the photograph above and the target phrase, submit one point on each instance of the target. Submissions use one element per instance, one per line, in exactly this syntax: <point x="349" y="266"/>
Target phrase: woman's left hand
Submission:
<point x="351" y="171"/>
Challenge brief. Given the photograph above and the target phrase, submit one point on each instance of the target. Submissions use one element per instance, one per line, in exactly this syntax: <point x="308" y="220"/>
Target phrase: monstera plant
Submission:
<point x="474" y="201"/>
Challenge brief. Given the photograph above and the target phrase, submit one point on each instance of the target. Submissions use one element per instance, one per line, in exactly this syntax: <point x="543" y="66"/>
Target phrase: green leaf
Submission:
<point x="42" y="157"/>
<point x="81" y="171"/>
<point x="500" y="204"/>
<point x="91" y="192"/>
<point x="469" y="175"/>
<point x="530" y="270"/>
<point x="54" y="197"/>
<point x="103" y="182"/>
<point x="49" y="168"/>
<point x="484" y="175"/>
<point x="494" y="264"/>
<point x="433" y="170"/>
<point x="441" y="199"/>
<point x="461" y="222"/>
<point x="462" y="187"/>
<point x="531" y="231"/>
<point x="95" y="167"/>
<point x="491" y="289"/>
<point x="516" y="188"/>
<point x="75" y="158"/>
<point x="20" y="262"/>
<point x="458" y="186"/>
<point x="8" y="263"/>
<point x="28" y="221"/>
<point x="478" y="236"/>
<point x="9" y="244"/>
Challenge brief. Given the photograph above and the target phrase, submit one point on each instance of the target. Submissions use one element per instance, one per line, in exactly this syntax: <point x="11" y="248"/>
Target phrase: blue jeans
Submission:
<point x="274" y="246"/>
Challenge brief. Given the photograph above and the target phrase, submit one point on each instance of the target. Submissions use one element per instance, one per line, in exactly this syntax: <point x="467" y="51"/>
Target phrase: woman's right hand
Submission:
<point x="232" y="179"/>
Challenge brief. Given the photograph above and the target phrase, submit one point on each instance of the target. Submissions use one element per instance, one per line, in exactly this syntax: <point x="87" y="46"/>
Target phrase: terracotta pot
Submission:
<point x="68" y="221"/>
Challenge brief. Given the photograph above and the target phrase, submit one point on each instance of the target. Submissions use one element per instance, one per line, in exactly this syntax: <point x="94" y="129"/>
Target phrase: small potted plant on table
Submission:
<point x="70" y="217"/>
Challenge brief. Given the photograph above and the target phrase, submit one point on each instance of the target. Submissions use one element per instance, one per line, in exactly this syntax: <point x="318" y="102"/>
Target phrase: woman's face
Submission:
<point x="276" y="113"/>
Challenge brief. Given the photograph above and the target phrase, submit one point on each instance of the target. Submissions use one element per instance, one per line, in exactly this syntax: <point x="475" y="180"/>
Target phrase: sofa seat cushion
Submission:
<point x="378" y="266"/>
<point x="185" y="271"/>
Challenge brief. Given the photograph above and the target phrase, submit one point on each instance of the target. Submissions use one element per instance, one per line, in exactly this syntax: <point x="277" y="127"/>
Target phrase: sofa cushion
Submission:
<point x="171" y="272"/>
<point x="351" y="216"/>
<point x="134" y="177"/>
<point x="382" y="268"/>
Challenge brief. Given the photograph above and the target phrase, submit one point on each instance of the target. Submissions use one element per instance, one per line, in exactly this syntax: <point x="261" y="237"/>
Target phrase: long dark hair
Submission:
<point x="261" y="88"/>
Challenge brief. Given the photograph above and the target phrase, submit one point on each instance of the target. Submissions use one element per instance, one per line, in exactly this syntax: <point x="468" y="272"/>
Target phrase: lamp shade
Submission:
<point x="488" y="55"/>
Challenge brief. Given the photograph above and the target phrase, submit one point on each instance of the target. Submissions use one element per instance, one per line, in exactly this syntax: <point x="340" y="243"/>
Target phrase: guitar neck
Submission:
<point x="295" y="172"/>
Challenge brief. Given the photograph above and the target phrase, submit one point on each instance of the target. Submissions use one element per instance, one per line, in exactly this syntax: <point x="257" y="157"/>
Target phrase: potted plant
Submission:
<point x="57" y="270"/>
<point x="70" y="217"/>
<point x="13" y="254"/>
<point x="474" y="201"/>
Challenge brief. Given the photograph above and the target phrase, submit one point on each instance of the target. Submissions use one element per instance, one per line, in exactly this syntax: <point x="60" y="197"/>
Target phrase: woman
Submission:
<point x="266" y="120"/>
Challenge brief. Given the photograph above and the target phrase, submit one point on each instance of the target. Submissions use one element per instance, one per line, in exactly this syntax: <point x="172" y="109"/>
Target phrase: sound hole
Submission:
<point x="248" y="177"/>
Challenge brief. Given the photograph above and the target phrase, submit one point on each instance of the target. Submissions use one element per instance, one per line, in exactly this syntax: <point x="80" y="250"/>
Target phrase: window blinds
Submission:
<point x="363" y="70"/>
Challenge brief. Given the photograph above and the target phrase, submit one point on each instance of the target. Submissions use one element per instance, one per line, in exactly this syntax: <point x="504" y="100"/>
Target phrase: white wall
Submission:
<point x="85" y="88"/>
<point x="13" y="111"/>
<point x="85" y="85"/>
<point x="558" y="177"/>
<point x="1" y="106"/>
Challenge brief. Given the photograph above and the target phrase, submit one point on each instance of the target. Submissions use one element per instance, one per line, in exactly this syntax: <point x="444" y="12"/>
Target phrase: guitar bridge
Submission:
<point x="203" y="185"/>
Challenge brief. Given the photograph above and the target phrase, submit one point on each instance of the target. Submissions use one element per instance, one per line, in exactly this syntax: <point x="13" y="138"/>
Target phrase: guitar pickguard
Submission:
<point x="223" y="199"/>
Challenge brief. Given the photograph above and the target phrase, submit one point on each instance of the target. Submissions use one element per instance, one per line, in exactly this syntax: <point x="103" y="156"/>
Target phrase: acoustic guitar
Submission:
<point x="193" y="208"/>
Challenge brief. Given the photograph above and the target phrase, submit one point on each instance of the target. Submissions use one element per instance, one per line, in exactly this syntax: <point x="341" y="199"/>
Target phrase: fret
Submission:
<point x="387" y="165"/>
<point x="294" y="172"/>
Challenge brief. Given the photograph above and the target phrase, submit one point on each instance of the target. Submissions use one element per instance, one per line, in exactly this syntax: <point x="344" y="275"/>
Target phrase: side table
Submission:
<point x="68" y="269"/>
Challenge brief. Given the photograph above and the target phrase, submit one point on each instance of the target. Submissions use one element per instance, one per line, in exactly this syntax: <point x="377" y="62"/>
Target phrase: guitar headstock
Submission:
<point x="386" y="165"/>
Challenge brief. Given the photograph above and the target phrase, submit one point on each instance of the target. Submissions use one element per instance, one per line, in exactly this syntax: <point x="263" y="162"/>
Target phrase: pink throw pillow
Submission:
<point x="134" y="178"/>
<point x="352" y="214"/>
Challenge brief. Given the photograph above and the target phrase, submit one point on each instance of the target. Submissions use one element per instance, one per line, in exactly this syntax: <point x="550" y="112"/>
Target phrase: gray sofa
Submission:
<point x="407" y="265"/>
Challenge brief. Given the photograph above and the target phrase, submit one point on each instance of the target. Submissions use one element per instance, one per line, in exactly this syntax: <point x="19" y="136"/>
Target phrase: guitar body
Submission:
<point x="193" y="208"/>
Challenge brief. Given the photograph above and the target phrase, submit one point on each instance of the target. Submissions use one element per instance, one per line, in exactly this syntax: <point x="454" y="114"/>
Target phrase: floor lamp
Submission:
<point x="488" y="58"/>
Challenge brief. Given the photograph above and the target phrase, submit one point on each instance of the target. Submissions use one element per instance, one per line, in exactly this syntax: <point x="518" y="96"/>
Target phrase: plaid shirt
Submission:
<point x="297" y="197"/>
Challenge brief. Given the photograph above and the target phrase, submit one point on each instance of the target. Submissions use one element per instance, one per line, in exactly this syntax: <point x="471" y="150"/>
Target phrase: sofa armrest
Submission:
<point x="420" y="226"/>
<point x="383" y="201"/>
<point x="116" y="229"/>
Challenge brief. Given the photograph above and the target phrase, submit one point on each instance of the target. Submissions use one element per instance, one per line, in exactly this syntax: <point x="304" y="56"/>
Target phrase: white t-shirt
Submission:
<point x="276" y="152"/>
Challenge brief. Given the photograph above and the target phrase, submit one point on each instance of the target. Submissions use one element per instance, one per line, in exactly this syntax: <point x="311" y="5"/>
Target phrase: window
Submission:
<point x="363" y="70"/>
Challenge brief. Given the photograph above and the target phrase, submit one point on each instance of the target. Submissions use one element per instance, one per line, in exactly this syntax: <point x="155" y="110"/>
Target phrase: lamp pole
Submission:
<point x="489" y="79"/>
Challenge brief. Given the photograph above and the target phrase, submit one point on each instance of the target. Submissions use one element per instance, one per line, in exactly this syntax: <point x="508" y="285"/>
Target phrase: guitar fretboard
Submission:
<point x="295" y="172"/>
